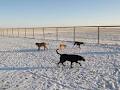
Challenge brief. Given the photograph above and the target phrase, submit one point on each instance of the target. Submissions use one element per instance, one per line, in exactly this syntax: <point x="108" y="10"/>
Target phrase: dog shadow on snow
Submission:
<point x="42" y="50"/>
<point x="33" y="68"/>
<point x="24" y="50"/>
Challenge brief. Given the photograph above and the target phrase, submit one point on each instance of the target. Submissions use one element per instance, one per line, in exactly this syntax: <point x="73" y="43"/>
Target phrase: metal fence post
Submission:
<point x="18" y="32"/>
<point x="7" y="32"/>
<point x="0" y="32"/>
<point x="56" y="33"/>
<point x="98" y="35"/>
<point x="3" y="32"/>
<point x="43" y="33"/>
<point x="74" y="34"/>
<point x="25" y="32"/>
<point x="33" y="32"/>
<point x="12" y="32"/>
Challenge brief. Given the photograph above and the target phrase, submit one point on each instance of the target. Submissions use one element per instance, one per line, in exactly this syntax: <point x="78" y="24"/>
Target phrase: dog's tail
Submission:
<point x="57" y="51"/>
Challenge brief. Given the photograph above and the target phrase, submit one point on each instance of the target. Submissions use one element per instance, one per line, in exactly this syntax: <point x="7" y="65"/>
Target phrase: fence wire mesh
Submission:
<point x="88" y="34"/>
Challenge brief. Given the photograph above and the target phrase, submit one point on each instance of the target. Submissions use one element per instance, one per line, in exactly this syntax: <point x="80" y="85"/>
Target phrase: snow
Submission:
<point x="22" y="67"/>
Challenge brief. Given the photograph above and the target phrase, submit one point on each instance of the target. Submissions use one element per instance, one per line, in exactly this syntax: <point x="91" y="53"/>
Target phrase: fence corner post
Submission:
<point x="56" y="33"/>
<point x="33" y="32"/>
<point x="74" y="34"/>
<point x="43" y="33"/>
<point x="98" y="35"/>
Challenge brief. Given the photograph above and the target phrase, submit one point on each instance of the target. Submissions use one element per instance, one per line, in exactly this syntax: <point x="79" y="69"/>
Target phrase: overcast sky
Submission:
<point x="27" y="13"/>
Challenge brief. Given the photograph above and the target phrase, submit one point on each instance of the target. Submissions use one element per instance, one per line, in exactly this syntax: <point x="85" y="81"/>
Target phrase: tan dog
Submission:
<point x="43" y="44"/>
<point x="62" y="46"/>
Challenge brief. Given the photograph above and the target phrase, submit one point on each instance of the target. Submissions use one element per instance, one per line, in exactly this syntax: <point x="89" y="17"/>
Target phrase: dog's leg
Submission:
<point x="44" y="47"/>
<point x="73" y="45"/>
<point x="63" y="64"/>
<point x="38" y="48"/>
<point x="71" y="65"/>
<point x="79" y="63"/>
<point x="58" y="63"/>
<point x="79" y="46"/>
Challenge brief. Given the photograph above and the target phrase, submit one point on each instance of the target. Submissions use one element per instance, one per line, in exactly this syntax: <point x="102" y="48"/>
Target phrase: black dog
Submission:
<point x="69" y="57"/>
<point x="78" y="43"/>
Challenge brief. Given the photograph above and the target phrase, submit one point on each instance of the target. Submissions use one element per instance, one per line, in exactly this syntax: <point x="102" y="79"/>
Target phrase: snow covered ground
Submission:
<point x="22" y="67"/>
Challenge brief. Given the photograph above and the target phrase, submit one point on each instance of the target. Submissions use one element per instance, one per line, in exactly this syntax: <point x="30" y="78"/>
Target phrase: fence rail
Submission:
<point x="92" y="34"/>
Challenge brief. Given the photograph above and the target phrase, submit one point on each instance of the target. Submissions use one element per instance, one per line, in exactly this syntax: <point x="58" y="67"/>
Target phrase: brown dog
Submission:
<point x="42" y="44"/>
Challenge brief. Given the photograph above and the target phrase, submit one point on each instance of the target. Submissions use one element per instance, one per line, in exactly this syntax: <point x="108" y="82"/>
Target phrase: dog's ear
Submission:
<point x="57" y="49"/>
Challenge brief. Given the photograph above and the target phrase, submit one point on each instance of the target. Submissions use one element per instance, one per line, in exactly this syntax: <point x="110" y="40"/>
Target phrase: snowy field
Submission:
<point x="22" y="67"/>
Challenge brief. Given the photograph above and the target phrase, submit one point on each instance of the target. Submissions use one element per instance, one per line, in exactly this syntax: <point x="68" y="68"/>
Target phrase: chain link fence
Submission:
<point x="88" y="34"/>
